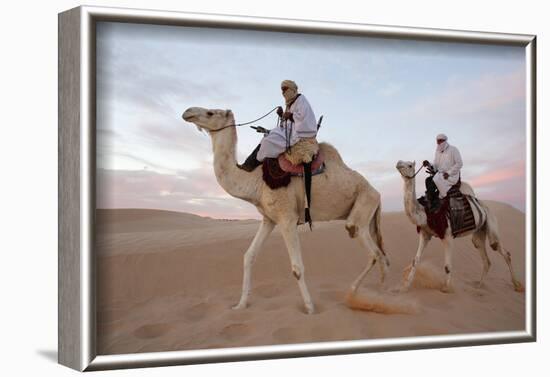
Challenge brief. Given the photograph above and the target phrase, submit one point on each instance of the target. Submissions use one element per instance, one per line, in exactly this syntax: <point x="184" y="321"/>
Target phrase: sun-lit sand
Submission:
<point x="167" y="281"/>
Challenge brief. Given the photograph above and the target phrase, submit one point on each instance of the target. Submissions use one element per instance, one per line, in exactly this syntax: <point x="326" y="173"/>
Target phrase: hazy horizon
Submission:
<point x="383" y="100"/>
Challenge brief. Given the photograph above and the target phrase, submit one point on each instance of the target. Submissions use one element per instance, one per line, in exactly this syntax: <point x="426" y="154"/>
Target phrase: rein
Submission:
<point x="418" y="171"/>
<point x="244" y="124"/>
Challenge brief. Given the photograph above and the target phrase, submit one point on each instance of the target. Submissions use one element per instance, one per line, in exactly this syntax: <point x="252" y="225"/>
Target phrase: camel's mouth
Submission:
<point x="208" y="120"/>
<point x="188" y="115"/>
<point x="403" y="167"/>
<point x="399" y="165"/>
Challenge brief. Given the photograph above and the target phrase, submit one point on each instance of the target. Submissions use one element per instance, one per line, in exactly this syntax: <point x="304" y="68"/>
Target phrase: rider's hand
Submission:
<point x="426" y="163"/>
<point x="445" y="175"/>
<point x="288" y="115"/>
<point x="280" y="111"/>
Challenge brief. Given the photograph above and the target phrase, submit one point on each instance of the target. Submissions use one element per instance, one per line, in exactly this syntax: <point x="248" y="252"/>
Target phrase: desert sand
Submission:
<point x="167" y="281"/>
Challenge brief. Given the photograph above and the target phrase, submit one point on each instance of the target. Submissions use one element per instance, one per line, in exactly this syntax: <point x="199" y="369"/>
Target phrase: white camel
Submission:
<point x="338" y="193"/>
<point x="486" y="226"/>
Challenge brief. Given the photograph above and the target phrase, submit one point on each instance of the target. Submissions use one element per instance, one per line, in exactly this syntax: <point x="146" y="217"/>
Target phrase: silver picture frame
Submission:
<point x="77" y="104"/>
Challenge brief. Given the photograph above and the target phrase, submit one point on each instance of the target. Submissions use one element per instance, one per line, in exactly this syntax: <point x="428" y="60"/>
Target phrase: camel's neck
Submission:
<point x="235" y="181"/>
<point x="412" y="208"/>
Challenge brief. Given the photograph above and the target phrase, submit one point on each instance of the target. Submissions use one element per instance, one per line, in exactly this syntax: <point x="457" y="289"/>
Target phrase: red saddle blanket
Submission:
<point x="459" y="214"/>
<point x="278" y="171"/>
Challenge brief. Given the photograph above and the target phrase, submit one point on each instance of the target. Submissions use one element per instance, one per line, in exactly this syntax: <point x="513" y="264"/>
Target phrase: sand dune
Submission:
<point x="167" y="281"/>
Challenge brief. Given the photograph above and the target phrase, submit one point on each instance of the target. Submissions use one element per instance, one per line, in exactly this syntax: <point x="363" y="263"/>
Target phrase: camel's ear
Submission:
<point x="227" y="113"/>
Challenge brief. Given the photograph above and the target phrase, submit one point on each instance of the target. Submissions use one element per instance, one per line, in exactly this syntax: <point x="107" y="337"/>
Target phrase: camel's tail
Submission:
<point x="378" y="232"/>
<point x="491" y="225"/>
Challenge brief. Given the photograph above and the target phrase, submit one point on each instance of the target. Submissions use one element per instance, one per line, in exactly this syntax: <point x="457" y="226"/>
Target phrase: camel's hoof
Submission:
<point x="446" y="289"/>
<point x="395" y="290"/>
<point x="239" y="306"/>
<point x="518" y="287"/>
<point x="403" y="290"/>
<point x="310" y="309"/>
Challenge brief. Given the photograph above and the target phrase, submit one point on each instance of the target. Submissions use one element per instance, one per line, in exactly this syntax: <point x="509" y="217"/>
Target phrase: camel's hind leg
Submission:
<point x="496" y="245"/>
<point x="494" y="242"/>
<point x="264" y="231"/>
<point x="478" y="239"/>
<point x="364" y="221"/>
<point x="290" y="235"/>
<point x="367" y="243"/>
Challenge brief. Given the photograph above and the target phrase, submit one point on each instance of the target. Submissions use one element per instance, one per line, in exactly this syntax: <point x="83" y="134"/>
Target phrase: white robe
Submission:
<point x="305" y="125"/>
<point x="449" y="161"/>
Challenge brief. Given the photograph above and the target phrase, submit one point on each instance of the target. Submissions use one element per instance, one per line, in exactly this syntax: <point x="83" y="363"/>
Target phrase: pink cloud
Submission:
<point x="500" y="175"/>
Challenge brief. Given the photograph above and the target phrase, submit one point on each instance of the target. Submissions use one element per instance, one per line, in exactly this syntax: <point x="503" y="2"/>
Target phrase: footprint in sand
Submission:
<point x="236" y="331"/>
<point x="152" y="330"/>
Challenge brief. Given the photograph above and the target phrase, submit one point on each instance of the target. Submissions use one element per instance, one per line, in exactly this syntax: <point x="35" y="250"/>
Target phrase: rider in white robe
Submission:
<point x="298" y="121"/>
<point x="301" y="124"/>
<point x="447" y="163"/>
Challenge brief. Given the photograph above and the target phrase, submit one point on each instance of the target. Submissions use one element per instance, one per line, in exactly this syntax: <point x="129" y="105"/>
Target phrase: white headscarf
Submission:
<point x="292" y="91"/>
<point x="441" y="147"/>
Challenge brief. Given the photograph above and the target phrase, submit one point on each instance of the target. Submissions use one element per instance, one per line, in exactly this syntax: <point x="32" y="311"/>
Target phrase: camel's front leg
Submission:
<point x="264" y="231"/>
<point x="448" y="249"/>
<point x="290" y="235"/>
<point x="422" y="242"/>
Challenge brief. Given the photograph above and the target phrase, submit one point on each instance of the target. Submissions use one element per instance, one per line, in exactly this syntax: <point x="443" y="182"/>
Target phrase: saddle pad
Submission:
<point x="456" y="209"/>
<point x="273" y="176"/>
<point x="461" y="216"/>
<point x="287" y="166"/>
<point x="438" y="219"/>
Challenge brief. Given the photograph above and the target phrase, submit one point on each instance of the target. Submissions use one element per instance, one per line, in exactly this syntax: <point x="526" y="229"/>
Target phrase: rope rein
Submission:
<point x="244" y="124"/>
<point x="418" y="171"/>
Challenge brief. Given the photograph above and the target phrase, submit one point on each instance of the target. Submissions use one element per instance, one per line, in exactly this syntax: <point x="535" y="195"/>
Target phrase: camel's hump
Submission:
<point x="330" y="152"/>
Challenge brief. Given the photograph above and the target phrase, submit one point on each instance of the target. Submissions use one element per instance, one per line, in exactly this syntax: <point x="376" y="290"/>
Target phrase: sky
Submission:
<point x="383" y="100"/>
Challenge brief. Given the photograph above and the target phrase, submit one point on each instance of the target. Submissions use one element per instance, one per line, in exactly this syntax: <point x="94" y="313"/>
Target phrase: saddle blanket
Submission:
<point x="277" y="172"/>
<point x="455" y="208"/>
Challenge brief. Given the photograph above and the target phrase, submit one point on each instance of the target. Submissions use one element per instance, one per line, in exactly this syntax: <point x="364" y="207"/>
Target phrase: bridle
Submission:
<point x="418" y="171"/>
<point x="244" y="124"/>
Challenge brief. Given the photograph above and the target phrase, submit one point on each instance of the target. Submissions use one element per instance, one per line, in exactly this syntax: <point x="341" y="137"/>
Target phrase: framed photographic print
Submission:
<point x="238" y="188"/>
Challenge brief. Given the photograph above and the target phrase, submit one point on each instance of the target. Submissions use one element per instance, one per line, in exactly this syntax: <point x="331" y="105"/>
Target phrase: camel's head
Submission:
<point x="406" y="168"/>
<point x="208" y="119"/>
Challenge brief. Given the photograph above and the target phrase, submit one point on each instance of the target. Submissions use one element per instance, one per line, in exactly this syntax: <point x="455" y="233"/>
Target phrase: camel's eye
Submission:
<point x="209" y="113"/>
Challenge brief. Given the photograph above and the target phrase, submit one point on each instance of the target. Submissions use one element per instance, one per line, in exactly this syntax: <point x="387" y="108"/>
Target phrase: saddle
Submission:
<point x="304" y="159"/>
<point x="454" y="207"/>
<point x="277" y="172"/>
